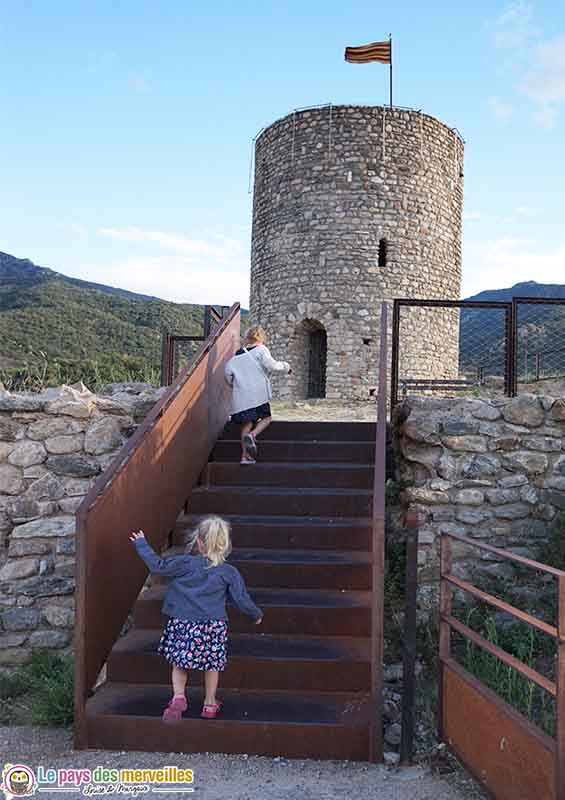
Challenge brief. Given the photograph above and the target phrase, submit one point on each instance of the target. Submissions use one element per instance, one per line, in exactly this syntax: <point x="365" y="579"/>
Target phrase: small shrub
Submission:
<point x="42" y="692"/>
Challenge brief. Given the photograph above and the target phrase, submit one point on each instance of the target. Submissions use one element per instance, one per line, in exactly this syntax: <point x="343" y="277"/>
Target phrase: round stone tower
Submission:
<point x="354" y="205"/>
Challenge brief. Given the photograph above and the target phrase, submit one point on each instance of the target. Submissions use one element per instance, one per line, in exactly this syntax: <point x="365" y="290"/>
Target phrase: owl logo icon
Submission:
<point x="18" y="781"/>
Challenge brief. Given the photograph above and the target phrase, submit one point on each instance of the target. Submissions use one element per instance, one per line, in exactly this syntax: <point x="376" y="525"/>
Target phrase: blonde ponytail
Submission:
<point x="214" y="540"/>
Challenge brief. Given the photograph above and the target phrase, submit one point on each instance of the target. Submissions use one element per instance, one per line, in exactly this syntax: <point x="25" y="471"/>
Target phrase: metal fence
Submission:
<point x="179" y="350"/>
<point x="476" y="348"/>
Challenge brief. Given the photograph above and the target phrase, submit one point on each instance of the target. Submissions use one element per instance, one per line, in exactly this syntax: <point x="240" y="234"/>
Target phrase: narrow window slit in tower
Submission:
<point x="382" y="252"/>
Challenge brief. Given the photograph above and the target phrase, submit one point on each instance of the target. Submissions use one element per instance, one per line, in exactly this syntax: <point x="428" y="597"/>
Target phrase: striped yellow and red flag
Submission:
<point x="377" y="51"/>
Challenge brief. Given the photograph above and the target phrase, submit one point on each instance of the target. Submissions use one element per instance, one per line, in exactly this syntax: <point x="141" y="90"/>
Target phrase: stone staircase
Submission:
<point x="299" y="684"/>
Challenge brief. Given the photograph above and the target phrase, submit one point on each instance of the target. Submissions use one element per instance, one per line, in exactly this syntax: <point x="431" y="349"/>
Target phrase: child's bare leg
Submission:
<point x="211" y="679"/>
<point x="179" y="679"/>
<point x="245" y="431"/>
<point x="262" y="425"/>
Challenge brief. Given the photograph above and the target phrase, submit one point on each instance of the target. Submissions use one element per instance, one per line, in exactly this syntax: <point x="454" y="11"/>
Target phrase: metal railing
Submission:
<point x="490" y="345"/>
<point x="506" y="752"/>
<point x="378" y="551"/>
<point x="146" y="487"/>
<point x="172" y="358"/>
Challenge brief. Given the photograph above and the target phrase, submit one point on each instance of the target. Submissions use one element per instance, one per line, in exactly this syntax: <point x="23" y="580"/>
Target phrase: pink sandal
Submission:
<point x="174" y="711"/>
<point x="210" y="710"/>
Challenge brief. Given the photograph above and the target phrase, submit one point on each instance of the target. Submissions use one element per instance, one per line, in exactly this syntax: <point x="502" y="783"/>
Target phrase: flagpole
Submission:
<point x="390" y="40"/>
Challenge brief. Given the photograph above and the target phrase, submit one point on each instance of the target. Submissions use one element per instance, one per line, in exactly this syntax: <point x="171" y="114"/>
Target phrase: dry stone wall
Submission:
<point x="53" y="446"/>
<point x="492" y="470"/>
<point x="332" y="184"/>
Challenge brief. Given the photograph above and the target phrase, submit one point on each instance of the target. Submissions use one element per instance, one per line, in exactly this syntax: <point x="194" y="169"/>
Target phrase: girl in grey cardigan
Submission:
<point x="195" y="636"/>
<point x="248" y="374"/>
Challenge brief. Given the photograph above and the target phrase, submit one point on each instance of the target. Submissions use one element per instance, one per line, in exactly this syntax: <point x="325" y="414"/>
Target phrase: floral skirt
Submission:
<point x="195" y="645"/>
<point x="252" y="414"/>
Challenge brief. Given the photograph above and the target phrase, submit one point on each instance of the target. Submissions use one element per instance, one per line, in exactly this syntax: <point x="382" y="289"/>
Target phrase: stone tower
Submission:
<point x="354" y="205"/>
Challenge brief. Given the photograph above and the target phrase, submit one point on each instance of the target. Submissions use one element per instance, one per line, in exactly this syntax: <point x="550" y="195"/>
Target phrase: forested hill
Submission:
<point x="69" y="320"/>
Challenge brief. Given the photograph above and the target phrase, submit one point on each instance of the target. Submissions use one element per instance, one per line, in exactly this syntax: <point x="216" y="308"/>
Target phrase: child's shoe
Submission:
<point x="210" y="710"/>
<point x="250" y="443"/>
<point x="174" y="711"/>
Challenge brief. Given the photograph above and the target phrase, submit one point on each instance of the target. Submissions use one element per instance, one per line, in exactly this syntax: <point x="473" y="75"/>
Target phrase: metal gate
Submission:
<point x="507" y="752"/>
<point x="317" y="361"/>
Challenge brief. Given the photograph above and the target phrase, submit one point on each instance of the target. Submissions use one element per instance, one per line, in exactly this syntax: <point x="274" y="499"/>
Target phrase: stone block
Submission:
<point x="70" y="505"/>
<point x="524" y="410"/>
<point x="45" y="528"/>
<point x="530" y="462"/>
<point x="24" y="510"/>
<point x="554" y="497"/>
<point x="459" y="427"/>
<point x="74" y="466"/>
<point x="546" y="444"/>
<point x="103" y="436"/>
<point x="472" y="516"/>
<point x="47" y="487"/>
<point x="61" y="445"/>
<point x="28" y="547"/>
<point x="20" y="619"/>
<point x="512" y="511"/>
<point x="558" y="410"/>
<point x="501" y="496"/>
<point x="19" y="568"/>
<point x="10" y="431"/>
<point x="75" y="487"/>
<point x="5" y="450"/>
<point x="480" y="466"/>
<point x="50" y="586"/>
<point x="469" y="497"/>
<point x="48" y="639"/>
<point x="53" y="427"/>
<point x="421" y="494"/>
<point x="66" y="546"/>
<point x="27" y="454"/>
<point x="470" y="444"/>
<point x="59" y="616"/>
<point x="11" y="480"/>
<point x="485" y="411"/>
<point x="512" y="481"/>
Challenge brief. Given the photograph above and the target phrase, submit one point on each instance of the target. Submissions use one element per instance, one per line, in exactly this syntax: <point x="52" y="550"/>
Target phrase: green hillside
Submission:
<point x="54" y="328"/>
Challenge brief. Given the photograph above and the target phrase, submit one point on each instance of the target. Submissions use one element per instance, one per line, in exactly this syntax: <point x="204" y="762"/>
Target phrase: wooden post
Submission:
<point x="560" y="696"/>
<point x="446" y="564"/>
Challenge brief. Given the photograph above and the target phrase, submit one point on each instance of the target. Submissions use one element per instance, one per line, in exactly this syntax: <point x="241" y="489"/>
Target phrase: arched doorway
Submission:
<point x="308" y="356"/>
<point x="317" y="362"/>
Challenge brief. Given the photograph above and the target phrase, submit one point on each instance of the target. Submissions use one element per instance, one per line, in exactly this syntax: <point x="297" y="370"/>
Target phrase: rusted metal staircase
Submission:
<point x="307" y="682"/>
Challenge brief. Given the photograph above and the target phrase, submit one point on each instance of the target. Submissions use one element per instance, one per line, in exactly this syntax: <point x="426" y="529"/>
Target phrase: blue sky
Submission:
<point x="126" y="127"/>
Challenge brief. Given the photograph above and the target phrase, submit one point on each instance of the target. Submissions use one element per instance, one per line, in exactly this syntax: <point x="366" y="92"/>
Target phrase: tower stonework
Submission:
<point x="354" y="205"/>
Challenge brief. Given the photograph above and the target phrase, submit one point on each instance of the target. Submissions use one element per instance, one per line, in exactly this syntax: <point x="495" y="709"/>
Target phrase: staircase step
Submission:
<point x="258" y="661"/>
<point x="302" y="474"/>
<point x="298" y="569"/>
<point x="311" y="431"/>
<point x="296" y="502"/>
<point x="297" y="450"/>
<point x="305" y="612"/>
<point x="290" y="724"/>
<point x="287" y="532"/>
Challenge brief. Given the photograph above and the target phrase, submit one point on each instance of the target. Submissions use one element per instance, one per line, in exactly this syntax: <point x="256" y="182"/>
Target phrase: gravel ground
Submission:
<point x="218" y="777"/>
<point x="325" y="411"/>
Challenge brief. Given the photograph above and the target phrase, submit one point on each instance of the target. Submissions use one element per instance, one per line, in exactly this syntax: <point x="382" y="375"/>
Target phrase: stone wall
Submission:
<point x="488" y="469"/>
<point x="330" y="185"/>
<point x="53" y="446"/>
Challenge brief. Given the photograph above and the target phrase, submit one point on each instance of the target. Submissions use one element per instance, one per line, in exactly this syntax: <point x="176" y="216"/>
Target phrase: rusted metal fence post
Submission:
<point x="377" y="616"/>
<point x="560" y="696"/>
<point x="446" y="564"/>
<point x="165" y="344"/>
<point x="412" y="523"/>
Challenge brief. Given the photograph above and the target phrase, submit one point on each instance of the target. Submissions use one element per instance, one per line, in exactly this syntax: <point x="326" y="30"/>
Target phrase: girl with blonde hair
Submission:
<point x="195" y="636"/>
<point x="248" y="373"/>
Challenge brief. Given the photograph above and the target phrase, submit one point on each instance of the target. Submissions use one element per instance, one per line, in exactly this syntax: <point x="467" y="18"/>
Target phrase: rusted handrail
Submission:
<point x="556" y="688"/>
<point x="145" y="488"/>
<point x="377" y="615"/>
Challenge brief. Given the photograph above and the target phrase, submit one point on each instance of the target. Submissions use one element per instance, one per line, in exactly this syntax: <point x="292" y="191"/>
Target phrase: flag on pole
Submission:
<point x="377" y="51"/>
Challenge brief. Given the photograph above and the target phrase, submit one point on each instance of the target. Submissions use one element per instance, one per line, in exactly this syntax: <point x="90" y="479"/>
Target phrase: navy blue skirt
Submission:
<point x="252" y="414"/>
<point x="195" y="645"/>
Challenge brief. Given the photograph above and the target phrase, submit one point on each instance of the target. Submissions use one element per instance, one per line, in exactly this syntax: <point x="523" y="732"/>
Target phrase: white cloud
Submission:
<point x="514" y="28"/>
<point x="509" y="260"/>
<point x="222" y="252"/>
<point x="500" y="111"/>
<point x="546" y="82"/>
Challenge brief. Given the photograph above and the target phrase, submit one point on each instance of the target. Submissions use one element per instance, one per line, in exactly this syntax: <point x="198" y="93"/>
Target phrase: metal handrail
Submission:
<point x="378" y="537"/>
<point x="145" y="488"/>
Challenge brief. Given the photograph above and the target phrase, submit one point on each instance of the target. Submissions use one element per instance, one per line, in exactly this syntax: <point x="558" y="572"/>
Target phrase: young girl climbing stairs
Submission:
<point x="195" y="637"/>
